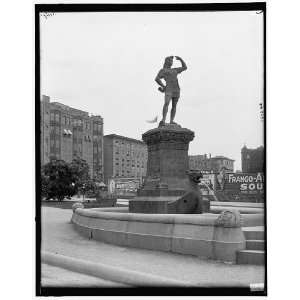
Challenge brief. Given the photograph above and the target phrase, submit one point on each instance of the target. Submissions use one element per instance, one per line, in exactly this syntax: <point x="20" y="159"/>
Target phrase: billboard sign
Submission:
<point x="246" y="183"/>
<point x="209" y="180"/>
<point x="123" y="186"/>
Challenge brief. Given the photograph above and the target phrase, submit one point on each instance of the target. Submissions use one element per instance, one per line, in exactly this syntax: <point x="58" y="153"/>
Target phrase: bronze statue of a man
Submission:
<point x="171" y="89"/>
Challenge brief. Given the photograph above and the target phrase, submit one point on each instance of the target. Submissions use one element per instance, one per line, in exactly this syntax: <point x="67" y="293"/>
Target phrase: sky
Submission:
<point x="106" y="62"/>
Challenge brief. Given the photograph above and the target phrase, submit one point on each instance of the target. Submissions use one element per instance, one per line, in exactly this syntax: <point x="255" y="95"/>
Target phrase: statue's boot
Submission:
<point x="161" y="123"/>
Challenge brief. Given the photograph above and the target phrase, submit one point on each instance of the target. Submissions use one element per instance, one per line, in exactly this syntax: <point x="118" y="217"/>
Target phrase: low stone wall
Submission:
<point x="214" y="236"/>
<point x="252" y="220"/>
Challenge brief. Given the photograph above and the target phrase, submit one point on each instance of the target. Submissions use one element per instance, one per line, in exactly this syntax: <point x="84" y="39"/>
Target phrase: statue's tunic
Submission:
<point x="170" y="76"/>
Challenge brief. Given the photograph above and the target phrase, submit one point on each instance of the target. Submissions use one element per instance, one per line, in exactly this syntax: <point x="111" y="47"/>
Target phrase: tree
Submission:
<point x="44" y="183"/>
<point x="88" y="186"/>
<point x="57" y="180"/>
<point x="80" y="170"/>
<point x="80" y="175"/>
<point x="98" y="175"/>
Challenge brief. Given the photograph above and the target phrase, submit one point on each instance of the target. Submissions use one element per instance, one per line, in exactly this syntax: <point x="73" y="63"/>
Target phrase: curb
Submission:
<point x="128" y="277"/>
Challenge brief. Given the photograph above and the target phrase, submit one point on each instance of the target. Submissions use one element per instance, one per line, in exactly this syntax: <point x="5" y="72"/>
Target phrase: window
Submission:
<point x="57" y="117"/>
<point x="52" y="116"/>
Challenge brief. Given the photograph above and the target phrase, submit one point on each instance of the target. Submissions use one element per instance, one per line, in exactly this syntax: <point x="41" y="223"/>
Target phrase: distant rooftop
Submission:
<point x="116" y="136"/>
<point x="245" y="148"/>
<point x="206" y="157"/>
<point x="69" y="108"/>
<point x="221" y="157"/>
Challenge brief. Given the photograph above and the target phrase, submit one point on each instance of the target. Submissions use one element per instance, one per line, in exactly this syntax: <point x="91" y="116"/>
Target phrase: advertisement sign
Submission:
<point x="245" y="183"/>
<point x="123" y="186"/>
<point x="209" y="180"/>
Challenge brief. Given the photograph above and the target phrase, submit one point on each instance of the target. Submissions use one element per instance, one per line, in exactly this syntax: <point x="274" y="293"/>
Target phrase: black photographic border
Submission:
<point x="146" y="291"/>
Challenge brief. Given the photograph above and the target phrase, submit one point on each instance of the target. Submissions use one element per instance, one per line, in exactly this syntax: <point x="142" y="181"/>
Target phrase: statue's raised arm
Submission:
<point x="183" y="65"/>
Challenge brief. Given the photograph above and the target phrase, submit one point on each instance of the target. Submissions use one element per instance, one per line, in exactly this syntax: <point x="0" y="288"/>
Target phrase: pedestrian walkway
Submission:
<point x="59" y="277"/>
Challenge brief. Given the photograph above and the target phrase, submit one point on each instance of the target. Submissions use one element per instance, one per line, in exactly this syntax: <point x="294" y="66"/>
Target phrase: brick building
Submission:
<point x="210" y="164"/>
<point x="199" y="162"/>
<point x="124" y="157"/>
<point x="253" y="160"/>
<point x="67" y="133"/>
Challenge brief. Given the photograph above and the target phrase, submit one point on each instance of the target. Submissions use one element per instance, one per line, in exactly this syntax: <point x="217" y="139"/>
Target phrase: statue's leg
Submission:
<point x="173" y="110"/>
<point x="166" y="105"/>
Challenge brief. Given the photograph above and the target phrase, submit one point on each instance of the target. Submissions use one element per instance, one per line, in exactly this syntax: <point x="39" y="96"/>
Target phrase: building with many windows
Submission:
<point x="199" y="162"/>
<point x="67" y="133"/>
<point x="253" y="160"/>
<point x="210" y="164"/>
<point x="124" y="157"/>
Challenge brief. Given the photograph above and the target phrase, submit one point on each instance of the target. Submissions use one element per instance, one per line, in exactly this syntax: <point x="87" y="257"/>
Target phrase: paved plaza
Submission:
<point x="59" y="236"/>
<point x="59" y="277"/>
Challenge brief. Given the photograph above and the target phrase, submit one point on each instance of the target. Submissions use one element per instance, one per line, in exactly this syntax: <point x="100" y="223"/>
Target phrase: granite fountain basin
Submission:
<point x="210" y="235"/>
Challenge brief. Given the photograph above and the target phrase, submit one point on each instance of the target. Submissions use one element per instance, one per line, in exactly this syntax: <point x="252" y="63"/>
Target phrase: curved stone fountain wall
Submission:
<point x="214" y="236"/>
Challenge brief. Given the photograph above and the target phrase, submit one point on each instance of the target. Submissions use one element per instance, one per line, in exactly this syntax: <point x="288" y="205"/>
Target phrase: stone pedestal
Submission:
<point x="168" y="162"/>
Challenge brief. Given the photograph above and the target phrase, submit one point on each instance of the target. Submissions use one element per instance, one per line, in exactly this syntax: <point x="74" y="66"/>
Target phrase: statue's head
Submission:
<point x="168" y="62"/>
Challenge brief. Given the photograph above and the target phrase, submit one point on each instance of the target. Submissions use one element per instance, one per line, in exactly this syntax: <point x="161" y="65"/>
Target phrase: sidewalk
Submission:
<point x="58" y="277"/>
<point x="59" y="236"/>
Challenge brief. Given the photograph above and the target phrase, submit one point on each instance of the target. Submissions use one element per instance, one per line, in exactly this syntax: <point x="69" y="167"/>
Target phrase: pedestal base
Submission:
<point x="188" y="204"/>
<point x="153" y="205"/>
<point x="166" y="180"/>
